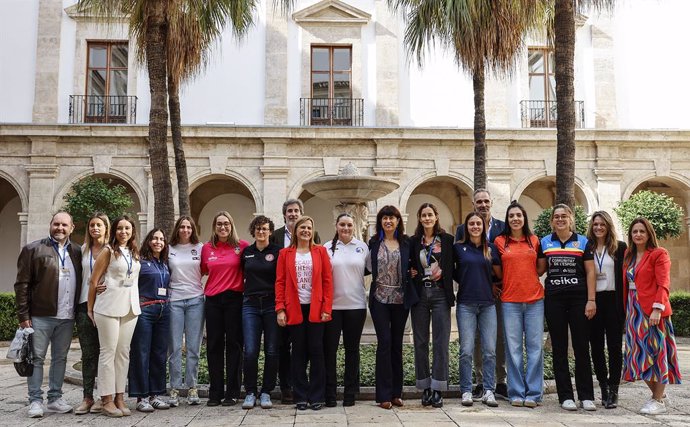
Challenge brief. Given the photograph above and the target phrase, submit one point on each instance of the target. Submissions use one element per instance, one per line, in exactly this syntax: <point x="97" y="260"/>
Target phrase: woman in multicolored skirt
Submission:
<point x="650" y="346"/>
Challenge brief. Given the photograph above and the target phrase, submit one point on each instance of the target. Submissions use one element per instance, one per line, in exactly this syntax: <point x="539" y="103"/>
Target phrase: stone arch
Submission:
<point x="537" y="192"/>
<point x="461" y="180"/>
<point x="11" y="205"/>
<point x="210" y="193"/>
<point x="126" y="179"/>
<point x="296" y="190"/>
<point x="652" y="176"/>
<point x="23" y="198"/>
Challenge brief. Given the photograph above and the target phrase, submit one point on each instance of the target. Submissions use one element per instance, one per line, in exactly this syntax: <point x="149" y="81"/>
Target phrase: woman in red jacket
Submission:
<point x="650" y="346"/>
<point x="304" y="296"/>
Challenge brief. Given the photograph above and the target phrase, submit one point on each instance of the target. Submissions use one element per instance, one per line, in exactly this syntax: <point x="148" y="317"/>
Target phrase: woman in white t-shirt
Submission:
<point x="186" y="308"/>
<point x="348" y="258"/>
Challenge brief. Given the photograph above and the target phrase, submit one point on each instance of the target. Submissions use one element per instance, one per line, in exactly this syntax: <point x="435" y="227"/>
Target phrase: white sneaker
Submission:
<point x="157" y="403"/>
<point x="569" y="405"/>
<point x="174" y="398"/>
<point x="265" y="400"/>
<point x="467" y="399"/>
<point x="35" y="409"/>
<point x="489" y="399"/>
<point x="58" y="406"/>
<point x="144" y="406"/>
<point x="653" y="407"/>
<point x="193" y="396"/>
<point x="249" y="401"/>
<point x="588" y="405"/>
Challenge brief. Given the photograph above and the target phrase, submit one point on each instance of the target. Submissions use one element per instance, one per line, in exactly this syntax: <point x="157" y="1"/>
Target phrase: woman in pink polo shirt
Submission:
<point x="220" y="259"/>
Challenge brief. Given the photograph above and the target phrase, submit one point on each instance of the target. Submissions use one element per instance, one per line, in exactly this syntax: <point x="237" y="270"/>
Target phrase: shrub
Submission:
<point x="93" y="194"/>
<point x="542" y="224"/>
<point x="8" y="316"/>
<point x="664" y="214"/>
<point x="680" y="303"/>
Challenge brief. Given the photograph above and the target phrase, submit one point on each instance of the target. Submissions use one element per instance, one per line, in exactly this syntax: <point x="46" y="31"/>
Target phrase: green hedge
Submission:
<point x="680" y="303"/>
<point x="8" y="316"/>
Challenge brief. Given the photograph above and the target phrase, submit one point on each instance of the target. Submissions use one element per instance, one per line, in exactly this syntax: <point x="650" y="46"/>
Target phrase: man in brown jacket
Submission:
<point x="47" y="288"/>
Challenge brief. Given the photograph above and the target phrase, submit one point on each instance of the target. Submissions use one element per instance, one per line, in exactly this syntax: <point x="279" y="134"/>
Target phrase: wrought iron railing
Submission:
<point x="102" y="109"/>
<point x="331" y="111"/>
<point x="544" y="114"/>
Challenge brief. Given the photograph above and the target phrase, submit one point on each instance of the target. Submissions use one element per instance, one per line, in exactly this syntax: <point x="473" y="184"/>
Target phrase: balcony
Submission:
<point x="331" y="111"/>
<point x="543" y="114"/>
<point x="102" y="109"/>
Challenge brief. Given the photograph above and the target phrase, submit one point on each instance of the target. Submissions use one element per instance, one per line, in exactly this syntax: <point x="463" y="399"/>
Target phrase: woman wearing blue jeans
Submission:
<point x="522" y="299"/>
<point x="186" y="309"/>
<point x="475" y="260"/>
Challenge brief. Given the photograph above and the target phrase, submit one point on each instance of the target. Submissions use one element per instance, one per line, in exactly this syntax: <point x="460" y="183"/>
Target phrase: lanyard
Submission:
<point x="429" y="250"/>
<point x="161" y="274"/>
<point x="91" y="260"/>
<point x="129" y="262"/>
<point x="600" y="260"/>
<point x="62" y="257"/>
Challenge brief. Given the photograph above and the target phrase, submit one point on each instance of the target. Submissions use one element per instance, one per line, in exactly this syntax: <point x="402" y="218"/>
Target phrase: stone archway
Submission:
<point x="540" y="194"/>
<point x="220" y="192"/>
<point x="452" y="198"/>
<point x="10" y="230"/>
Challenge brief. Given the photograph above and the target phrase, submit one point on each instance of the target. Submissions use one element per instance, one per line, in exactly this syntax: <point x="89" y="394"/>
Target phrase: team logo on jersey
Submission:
<point x="270" y="257"/>
<point x="576" y="245"/>
<point x="194" y="252"/>
<point x="359" y="250"/>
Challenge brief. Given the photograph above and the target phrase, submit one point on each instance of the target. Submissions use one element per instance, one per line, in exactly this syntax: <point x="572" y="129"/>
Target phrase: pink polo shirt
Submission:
<point x="222" y="264"/>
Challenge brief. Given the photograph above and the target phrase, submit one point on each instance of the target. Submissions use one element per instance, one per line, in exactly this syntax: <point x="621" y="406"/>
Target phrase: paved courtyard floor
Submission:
<point x="13" y="406"/>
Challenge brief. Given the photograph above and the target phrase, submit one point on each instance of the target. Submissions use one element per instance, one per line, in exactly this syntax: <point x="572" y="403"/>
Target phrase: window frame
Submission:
<point x="331" y="71"/>
<point x="109" y="68"/>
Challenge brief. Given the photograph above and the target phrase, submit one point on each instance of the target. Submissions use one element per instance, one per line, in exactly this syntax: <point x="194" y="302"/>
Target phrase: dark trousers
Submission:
<point x="149" y="351"/>
<point x="224" y="344"/>
<point x="259" y="316"/>
<point x="607" y="324"/>
<point x="90" y="348"/>
<point x="307" y="348"/>
<point x="563" y="312"/>
<point x="389" y="323"/>
<point x="284" y="360"/>
<point x="351" y="324"/>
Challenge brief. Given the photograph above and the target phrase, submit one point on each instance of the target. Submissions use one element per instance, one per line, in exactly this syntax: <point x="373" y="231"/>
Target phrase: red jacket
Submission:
<point x="287" y="297"/>
<point x="652" y="280"/>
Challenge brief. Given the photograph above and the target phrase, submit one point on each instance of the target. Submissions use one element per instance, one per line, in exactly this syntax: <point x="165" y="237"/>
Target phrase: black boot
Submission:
<point x="604" y="393"/>
<point x="426" y="397"/>
<point x="437" y="399"/>
<point x="612" y="401"/>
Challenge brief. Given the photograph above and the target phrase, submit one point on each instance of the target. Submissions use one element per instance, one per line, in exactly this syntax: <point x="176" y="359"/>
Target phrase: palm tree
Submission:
<point x="484" y="35"/>
<point x="564" y="53"/>
<point x="193" y="28"/>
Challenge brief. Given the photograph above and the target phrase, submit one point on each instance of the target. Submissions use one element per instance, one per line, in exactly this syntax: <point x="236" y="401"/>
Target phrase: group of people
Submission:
<point x="137" y="306"/>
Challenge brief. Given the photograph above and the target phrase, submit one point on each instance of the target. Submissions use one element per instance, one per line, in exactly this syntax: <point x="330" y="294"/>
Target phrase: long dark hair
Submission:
<point x="652" y="242"/>
<point x="147" y="253"/>
<point x="611" y="240"/>
<point x="390" y="210"/>
<point x="525" y="226"/>
<point x="484" y="243"/>
<point x="419" y="231"/>
<point x="335" y="238"/>
<point x="175" y="236"/>
<point x="131" y="243"/>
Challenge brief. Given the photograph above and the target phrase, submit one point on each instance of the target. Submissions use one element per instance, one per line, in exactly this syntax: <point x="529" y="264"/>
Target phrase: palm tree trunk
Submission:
<point x="180" y="160"/>
<point x="564" y="29"/>
<point x="479" y="129"/>
<point x="163" y="212"/>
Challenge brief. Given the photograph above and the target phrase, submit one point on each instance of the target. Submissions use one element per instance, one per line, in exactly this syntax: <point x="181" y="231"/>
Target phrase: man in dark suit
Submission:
<point x="481" y="200"/>
<point x="293" y="209"/>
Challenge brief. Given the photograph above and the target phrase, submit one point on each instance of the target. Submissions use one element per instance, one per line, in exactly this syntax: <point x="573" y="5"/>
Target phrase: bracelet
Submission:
<point x="591" y="300"/>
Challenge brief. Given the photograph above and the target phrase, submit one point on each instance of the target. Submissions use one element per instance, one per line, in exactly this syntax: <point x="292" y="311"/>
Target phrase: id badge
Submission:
<point x="427" y="271"/>
<point x="601" y="276"/>
<point x="128" y="282"/>
<point x="64" y="274"/>
<point x="162" y="292"/>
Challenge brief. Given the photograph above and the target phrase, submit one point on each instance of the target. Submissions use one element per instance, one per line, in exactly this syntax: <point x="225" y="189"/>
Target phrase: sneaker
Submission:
<point x="489" y="399"/>
<point x="501" y="391"/>
<point x="518" y="403"/>
<point x="530" y="403"/>
<point x="249" y="401"/>
<point x="265" y="401"/>
<point x="653" y="407"/>
<point x="588" y="405"/>
<point x="58" y="406"/>
<point x="144" y="406"/>
<point x="193" y="396"/>
<point x="569" y="405"/>
<point x="478" y="392"/>
<point x="35" y="409"/>
<point x="467" y="399"/>
<point x="157" y="403"/>
<point x="174" y="399"/>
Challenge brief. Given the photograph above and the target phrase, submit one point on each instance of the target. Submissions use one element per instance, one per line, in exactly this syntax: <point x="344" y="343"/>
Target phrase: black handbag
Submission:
<point x="25" y="364"/>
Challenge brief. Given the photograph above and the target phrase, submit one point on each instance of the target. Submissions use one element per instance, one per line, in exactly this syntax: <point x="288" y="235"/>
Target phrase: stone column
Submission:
<point x="275" y="101"/>
<point x="604" y="76"/>
<point x="47" y="62"/>
<point x="23" y="222"/>
<point x="41" y="192"/>
<point x="498" y="183"/>
<point x="387" y="66"/>
<point x="275" y="171"/>
<point x="609" y="174"/>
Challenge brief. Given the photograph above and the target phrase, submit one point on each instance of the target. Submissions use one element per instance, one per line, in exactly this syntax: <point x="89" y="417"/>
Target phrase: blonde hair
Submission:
<point x="571" y="216"/>
<point x="233" y="239"/>
<point x="300" y="221"/>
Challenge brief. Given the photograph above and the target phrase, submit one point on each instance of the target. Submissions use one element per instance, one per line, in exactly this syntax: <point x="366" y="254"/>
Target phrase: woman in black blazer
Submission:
<point x="432" y="270"/>
<point x="608" y="322"/>
<point x="390" y="297"/>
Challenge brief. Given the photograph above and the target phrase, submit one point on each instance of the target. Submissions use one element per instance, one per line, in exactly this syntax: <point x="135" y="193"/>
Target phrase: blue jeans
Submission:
<point x="432" y="309"/>
<point x="149" y="350"/>
<point x="521" y="320"/>
<point x="186" y="319"/>
<point x="57" y="333"/>
<point x="470" y="318"/>
<point x="259" y="315"/>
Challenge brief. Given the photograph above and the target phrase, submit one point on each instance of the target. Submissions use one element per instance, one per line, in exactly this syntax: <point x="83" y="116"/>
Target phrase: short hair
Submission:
<point x="71" y="219"/>
<point x="289" y="202"/>
<point x="481" y="190"/>
<point x="259" y="221"/>
<point x="175" y="235"/>
<point x="147" y="253"/>
<point x="88" y="242"/>
<point x="390" y="210"/>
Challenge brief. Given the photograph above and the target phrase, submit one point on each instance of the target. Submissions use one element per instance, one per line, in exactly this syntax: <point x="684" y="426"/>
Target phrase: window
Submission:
<point x="331" y="100"/>
<point x="106" y="98"/>
<point x="542" y="80"/>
